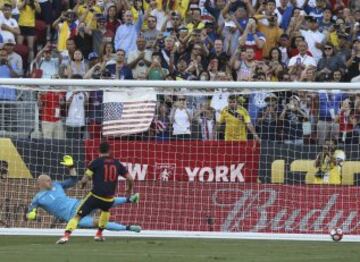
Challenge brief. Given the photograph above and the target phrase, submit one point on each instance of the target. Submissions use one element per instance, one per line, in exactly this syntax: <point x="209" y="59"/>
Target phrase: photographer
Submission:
<point x="66" y="26"/>
<point x="329" y="163"/>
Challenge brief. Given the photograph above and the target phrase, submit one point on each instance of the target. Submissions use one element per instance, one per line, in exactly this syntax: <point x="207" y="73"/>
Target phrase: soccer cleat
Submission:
<point x="62" y="240"/>
<point x="135" y="198"/>
<point x="135" y="228"/>
<point x="99" y="236"/>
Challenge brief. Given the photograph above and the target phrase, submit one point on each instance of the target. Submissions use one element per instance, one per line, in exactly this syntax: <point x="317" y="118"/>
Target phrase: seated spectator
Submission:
<point x="293" y="117"/>
<point x="237" y="121"/>
<point x="108" y="53"/>
<point x="156" y="71"/>
<point x="76" y="103"/>
<point x="180" y="119"/>
<point x="220" y="55"/>
<point x="77" y="66"/>
<point x="119" y="69"/>
<point x="9" y="26"/>
<point x="48" y="65"/>
<point x="354" y="61"/>
<point x="14" y="58"/>
<point x="50" y="108"/>
<point x="139" y="60"/>
<point x="27" y="24"/>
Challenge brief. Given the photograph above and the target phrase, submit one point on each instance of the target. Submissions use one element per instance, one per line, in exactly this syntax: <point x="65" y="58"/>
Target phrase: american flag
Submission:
<point x="128" y="112"/>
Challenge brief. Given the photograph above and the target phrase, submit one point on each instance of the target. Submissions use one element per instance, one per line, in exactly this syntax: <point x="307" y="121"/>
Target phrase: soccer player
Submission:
<point x="104" y="172"/>
<point x="53" y="199"/>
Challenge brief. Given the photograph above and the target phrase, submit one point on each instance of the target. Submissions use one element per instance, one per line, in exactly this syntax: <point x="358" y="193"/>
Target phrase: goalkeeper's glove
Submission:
<point x="31" y="215"/>
<point x="68" y="161"/>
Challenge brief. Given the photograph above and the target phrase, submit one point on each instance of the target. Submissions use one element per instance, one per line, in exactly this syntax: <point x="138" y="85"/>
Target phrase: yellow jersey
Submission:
<point x="235" y="128"/>
<point x="331" y="170"/>
<point x="27" y="16"/>
<point x="90" y="19"/>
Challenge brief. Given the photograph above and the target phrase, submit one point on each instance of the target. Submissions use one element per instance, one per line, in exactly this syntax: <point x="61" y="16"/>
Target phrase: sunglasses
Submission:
<point x="181" y="99"/>
<point x="328" y="48"/>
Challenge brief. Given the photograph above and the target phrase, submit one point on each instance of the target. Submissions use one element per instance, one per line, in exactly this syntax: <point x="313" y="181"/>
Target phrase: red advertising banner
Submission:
<point x="242" y="207"/>
<point x="204" y="161"/>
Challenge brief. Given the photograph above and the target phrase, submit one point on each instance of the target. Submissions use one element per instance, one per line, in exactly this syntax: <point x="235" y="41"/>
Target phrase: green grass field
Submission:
<point x="84" y="249"/>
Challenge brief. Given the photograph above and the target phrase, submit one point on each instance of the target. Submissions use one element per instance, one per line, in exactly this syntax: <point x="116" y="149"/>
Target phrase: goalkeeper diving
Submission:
<point x="53" y="199"/>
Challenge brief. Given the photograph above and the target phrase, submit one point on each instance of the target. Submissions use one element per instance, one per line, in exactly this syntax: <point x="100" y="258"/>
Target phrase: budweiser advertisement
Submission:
<point x="238" y="207"/>
<point x="203" y="161"/>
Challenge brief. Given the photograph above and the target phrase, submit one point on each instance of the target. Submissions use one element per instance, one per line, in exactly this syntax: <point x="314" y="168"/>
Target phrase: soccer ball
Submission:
<point x="336" y="234"/>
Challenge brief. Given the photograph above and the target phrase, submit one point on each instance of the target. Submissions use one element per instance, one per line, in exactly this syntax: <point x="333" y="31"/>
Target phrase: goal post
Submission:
<point x="213" y="157"/>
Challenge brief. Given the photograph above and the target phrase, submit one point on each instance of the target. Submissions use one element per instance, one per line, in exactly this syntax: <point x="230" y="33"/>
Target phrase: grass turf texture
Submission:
<point x="43" y="249"/>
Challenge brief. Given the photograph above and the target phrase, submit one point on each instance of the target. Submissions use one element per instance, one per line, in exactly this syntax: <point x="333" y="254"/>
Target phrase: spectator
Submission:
<point x="267" y="122"/>
<point x="66" y="26"/>
<point x="253" y="38"/>
<point x="126" y="34"/>
<point x="108" y="53"/>
<point x="314" y="37"/>
<point x="161" y="123"/>
<point x="76" y="103"/>
<point x="139" y="60"/>
<point x="347" y="122"/>
<point x="112" y="22"/>
<point x="100" y="35"/>
<point x="354" y="61"/>
<point x="14" y="58"/>
<point x="329" y="62"/>
<point x="329" y="105"/>
<point x="9" y="26"/>
<point x="27" y="23"/>
<point x="77" y="66"/>
<point x="7" y="94"/>
<point x="119" y="69"/>
<point x="50" y="106"/>
<point x="206" y="118"/>
<point x="302" y="59"/>
<point x="244" y="68"/>
<point x="66" y="56"/>
<point x="293" y="117"/>
<point x="87" y="12"/>
<point x="157" y="13"/>
<point x="83" y="39"/>
<point x="151" y="33"/>
<point x="49" y="65"/>
<point x="156" y="71"/>
<point x="180" y="119"/>
<point x="220" y="55"/>
<point x="237" y="121"/>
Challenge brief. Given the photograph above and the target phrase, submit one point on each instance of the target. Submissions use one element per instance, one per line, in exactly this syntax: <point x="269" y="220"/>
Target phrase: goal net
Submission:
<point x="218" y="156"/>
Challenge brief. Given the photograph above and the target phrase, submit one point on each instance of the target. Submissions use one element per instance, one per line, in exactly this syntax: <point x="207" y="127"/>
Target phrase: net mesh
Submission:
<point x="209" y="160"/>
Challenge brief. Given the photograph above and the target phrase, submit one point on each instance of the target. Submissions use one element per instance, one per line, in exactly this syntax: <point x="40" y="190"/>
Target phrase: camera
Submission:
<point x="173" y="13"/>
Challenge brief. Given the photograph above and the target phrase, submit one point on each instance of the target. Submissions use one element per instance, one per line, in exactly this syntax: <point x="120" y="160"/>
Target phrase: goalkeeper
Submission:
<point x="53" y="199"/>
<point x="329" y="163"/>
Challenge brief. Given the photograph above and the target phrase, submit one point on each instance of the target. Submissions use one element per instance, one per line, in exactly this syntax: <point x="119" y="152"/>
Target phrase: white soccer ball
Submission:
<point x="336" y="234"/>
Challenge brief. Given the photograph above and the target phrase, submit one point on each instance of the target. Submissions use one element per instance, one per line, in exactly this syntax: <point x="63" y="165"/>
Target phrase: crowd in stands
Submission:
<point x="207" y="40"/>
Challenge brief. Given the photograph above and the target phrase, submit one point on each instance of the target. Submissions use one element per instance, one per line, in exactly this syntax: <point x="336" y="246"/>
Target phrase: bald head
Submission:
<point x="44" y="182"/>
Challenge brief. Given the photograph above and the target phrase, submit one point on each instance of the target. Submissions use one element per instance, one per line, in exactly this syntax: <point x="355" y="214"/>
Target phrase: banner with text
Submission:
<point x="204" y="161"/>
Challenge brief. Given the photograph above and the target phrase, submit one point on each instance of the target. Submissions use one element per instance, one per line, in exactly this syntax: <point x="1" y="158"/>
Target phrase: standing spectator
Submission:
<point x="220" y="55"/>
<point x="293" y="117"/>
<point x="271" y="31"/>
<point x="268" y="119"/>
<point x="302" y="59"/>
<point x="244" y="68"/>
<point x="108" y="54"/>
<point x="87" y="12"/>
<point x="156" y="71"/>
<point x="166" y="52"/>
<point x="354" y="61"/>
<point x="329" y="105"/>
<point x="51" y="124"/>
<point x="76" y="103"/>
<point x="7" y="94"/>
<point x="180" y="118"/>
<point x="112" y="22"/>
<point x="28" y="8"/>
<point x="119" y="69"/>
<point x="195" y="20"/>
<point x="161" y="124"/>
<point x="158" y="13"/>
<point x="139" y="60"/>
<point x="100" y="35"/>
<point x="14" y="58"/>
<point x="66" y="56"/>
<point x="237" y="121"/>
<point x="314" y="38"/>
<point x="9" y="26"/>
<point x="347" y="122"/>
<point x="329" y="62"/>
<point x="77" y="66"/>
<point x="46" y="15"/>
<point x="49" y="65"/>
<point x="66" y="26"/>
<point x="126" y="34"/>
<point x="207" y="121"/>
<point x="151" y="33"/>
<point x="253" y="38"/>
<point x="83" y="39"/>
